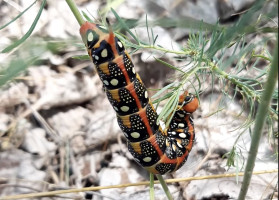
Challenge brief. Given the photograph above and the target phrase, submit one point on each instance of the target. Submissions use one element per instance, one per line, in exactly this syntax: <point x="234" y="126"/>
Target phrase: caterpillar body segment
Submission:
<point x="156" y="150"/>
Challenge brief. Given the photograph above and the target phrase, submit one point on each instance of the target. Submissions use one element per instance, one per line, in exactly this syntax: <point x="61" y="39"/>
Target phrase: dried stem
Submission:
<point x="52" y="193"/>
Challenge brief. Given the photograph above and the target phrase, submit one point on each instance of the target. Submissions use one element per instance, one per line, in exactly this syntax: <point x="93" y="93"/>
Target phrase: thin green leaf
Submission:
<point x="124" y="25"/>
<point x="15" y="67"/>
<point x="169" y="107"/>
<point x="169" y="65"/>
<point x="18" y="16"/>
<point x="146" y="24"/>
<point x="163" y="90"/>
<point x="172" y="111"/>
<point x="82" y="57"/>
<point x="151" y="187"/>
<point x="168" y="95"/>
<point x="182" y="22"/>
<point x="263" y="57"/>
<point x="29" y="32"/>
<point x="130" y="23"/>
<point x="86" y="17"/>
<point x="241" y="27"/>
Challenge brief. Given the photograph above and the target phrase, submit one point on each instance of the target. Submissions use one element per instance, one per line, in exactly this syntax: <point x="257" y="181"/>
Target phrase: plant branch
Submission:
<point x="259" y="124"/>
<point x="75" y="11"/>
<point x="212" y="67"/>
<point x="240" y="85"/>
<point x="164" y="185"/>
<point x="151" y="187"/>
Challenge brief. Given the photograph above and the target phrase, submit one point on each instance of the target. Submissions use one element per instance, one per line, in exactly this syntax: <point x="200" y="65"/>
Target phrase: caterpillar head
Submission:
<point x="102" y="45"/>
<point x="90" y="34"/>
<point x="189" y="102"/>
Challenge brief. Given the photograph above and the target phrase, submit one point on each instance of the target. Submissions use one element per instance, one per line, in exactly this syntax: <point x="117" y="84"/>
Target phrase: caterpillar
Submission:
<point x="156" y="150"/>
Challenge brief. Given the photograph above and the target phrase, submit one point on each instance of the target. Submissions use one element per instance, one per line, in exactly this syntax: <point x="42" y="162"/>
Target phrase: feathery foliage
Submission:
<point x="217" y="54"/>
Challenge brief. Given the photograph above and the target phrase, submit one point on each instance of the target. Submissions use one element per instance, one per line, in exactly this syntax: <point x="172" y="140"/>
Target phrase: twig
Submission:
<point x="52" y="193"/>
<point x="75" y="11"/>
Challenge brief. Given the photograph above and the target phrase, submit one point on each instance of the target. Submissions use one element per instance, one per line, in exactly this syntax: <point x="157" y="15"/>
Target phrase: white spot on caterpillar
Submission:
<point x="104" y="53"/>
<point x="120" y="44"/>
<point x="115" y="108"/>
<point x="90" y="37"/>
<point x="133" y="70"/>
<point x="106" y="82"/>
<point x="173" y="133"/>
<point x="182" y="135"/>
<point x="135" y="134"/>
<point x="180" y="115"/>
<point x="124" y="108"/>
<point x="147" y="159"/>
<point x="173" y="147"/>
<point x="126" y="135"/>
<point x="181" y="125"/>
<point x="114" y="82"/>
<point x="96" y="57"/>
<point x="146" y="94"/>
<point x="179" y="145"/>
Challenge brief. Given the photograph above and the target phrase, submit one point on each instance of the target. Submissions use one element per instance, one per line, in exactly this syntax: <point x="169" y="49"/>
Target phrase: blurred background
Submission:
<point x="58" y="130"/>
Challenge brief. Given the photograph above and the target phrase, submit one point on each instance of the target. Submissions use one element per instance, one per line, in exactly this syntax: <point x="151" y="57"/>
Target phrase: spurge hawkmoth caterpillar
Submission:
<point x="156" y="150"/>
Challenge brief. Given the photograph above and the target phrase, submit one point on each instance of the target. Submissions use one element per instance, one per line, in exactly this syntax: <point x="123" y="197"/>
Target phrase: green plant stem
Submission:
<point x="186" y="52"/>
<point x="151" y="187"/>
<point x="75" y="11"/>
<point x="259" y="123"/>
<point x="164" y="185"/>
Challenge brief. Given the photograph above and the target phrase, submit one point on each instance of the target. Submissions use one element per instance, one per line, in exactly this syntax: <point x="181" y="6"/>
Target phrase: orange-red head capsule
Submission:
<point x="190" y="102"/>
<point x="87" y="32"/>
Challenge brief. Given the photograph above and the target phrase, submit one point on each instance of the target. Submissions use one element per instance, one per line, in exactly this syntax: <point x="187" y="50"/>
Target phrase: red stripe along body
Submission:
<point x="156" y="150"/>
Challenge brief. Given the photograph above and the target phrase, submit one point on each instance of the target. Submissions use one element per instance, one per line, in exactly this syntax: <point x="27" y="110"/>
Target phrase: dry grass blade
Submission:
<point x="53" y="193"/>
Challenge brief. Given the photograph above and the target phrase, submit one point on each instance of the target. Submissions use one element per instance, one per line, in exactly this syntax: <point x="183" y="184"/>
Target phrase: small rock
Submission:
<point x="35" y="142"/>
<point x="102" y="126"/>
<point x="70" y="123"/>
<point x="5" y="119"/>
<point x="61" y="89"/>
<point x="19" y="165"/>
<point x="78" y="143"/>
<point x="26" y="170"/>
<point x="14" y="95"/>
<point x="119" y="161"/>
<point x="117" y="176"/>
<point x="239" y="5"/>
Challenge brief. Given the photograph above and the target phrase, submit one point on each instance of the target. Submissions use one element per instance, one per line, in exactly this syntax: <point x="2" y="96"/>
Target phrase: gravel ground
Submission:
<point x="58" y="130"/>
